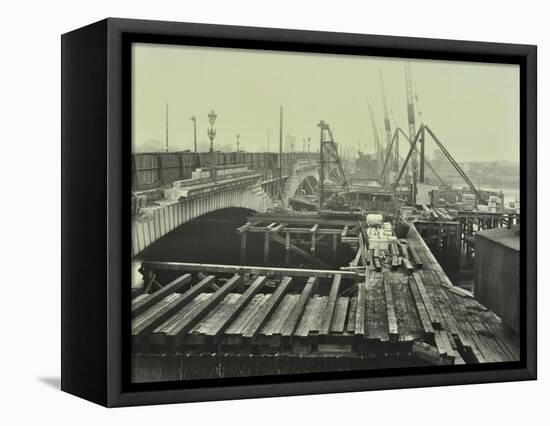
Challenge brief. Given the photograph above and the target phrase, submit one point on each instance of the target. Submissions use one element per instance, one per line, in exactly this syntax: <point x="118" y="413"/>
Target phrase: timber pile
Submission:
<point x="440" y="214"/>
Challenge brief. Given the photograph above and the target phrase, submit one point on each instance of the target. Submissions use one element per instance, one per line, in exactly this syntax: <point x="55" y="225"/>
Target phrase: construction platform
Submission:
<point x="391" y="307"/>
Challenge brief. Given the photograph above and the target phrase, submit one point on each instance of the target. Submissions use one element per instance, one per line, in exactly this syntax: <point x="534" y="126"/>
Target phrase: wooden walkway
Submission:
<point x="400" y="303"/>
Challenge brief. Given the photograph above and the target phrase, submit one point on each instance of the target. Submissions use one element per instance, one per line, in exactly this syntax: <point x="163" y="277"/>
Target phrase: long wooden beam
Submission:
<point x="277" y="228"/>
<point x="241" y="270"/>
<point x="294" y="317"/>
<point x="253" y="327"/>
<point x="245" y="227"/>
<point x="233" y="310"/>
<point x="200" y="311"/>
<point x="331" y="305"/>
<point x="142" y="304"/>
<point x="305" y="220"/>
<point x="294" y="230"/>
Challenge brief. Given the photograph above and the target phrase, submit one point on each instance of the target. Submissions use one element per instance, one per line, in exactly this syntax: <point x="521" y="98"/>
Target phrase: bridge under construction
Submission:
<point x="327" y="264"/>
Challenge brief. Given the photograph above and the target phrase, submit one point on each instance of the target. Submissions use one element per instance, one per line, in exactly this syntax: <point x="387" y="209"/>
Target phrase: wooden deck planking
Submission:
<point x="421" y="311"/>
<point x="392" y="308"/>
<point x="407" y="265"/>
<point x="253" y="327"/>
<point x="410" y="325"/>
<point x="319" y="315"/>
<point x="360" y="309"/>
<point x="200" y="311"/>
<point x="376" y="317"/>
<point x="140" y="305"/>
<point x="155" y="315"/>
<point x="276" y="321"/>
<point x="308" y="317"/>
<point x="232" y="309"/>
<point x="293" y="319"/>
<point x="331" y="305"/>
<point x="338" y="323"/>
<point x="443" y="344"/>
<point x="350" y="320"/>
<point x="202" y="326"/>
<point x="160" y="333"/>
<point x="247" y="314"/>
<point x="434" y="317"/>
<point x="393" y="329"/>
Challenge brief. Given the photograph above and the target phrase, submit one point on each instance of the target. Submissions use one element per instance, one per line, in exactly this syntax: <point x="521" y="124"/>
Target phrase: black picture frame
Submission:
<point x="96" y="211"/>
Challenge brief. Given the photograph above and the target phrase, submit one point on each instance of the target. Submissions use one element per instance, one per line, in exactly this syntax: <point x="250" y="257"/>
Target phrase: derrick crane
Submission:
<point x="420" y="136"/>
<point x="330" y="166"/>
<point x="377" y="143"/>
<point x="412" y="127"/>
<point x="387" y="124"/>
<point x="397" y="157"/>
<point x="412" y="99"/>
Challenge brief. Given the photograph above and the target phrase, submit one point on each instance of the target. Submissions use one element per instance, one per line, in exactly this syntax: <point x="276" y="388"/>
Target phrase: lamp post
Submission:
<point x="211" y="135"/>
<point x="308" y="142"/>
<point x="194" y="120"/>
<point x="238" y="136"/>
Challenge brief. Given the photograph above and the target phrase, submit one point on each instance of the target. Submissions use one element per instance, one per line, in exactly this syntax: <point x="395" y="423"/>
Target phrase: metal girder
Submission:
<point x="428" y="165"/>
<point x="455" y="164"/>
<point x="411" y="150"/>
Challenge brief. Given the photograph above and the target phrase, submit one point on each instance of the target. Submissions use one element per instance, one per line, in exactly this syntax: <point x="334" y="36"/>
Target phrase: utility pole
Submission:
<point x="238" y="136"/>
<point x="322" y="127"/>
<point x="280" y="151"/>
<point x="422" y="154"/>
<point x="267" y="140"/>
<point x="308" y="143"/>
<point x="194" y="120"/>
<point x="166" y="127"/>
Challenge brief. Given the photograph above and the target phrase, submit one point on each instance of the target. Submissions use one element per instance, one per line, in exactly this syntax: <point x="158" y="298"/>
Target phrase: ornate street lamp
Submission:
<point x="211" y="135"/>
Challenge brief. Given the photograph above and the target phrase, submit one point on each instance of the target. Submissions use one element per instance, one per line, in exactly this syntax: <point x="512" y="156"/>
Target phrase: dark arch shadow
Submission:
<point x="210" y="238"/>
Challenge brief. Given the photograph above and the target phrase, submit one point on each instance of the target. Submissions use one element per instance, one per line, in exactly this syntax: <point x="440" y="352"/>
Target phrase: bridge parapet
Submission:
<point x="202" y="186"/>
<point x="151" y="170"/>
<point x="163" y="209"/>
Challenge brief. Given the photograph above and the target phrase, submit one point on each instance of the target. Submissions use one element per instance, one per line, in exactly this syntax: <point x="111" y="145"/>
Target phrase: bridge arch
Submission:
<point x="209" y="238"/>
<point x="308" y="186"/>
<point x="156" y="221"/>
<point x="303" y="182"/>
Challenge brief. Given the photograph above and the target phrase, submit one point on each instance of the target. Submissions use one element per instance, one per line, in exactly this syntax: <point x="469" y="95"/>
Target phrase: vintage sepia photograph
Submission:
<point x="297" y="212"/>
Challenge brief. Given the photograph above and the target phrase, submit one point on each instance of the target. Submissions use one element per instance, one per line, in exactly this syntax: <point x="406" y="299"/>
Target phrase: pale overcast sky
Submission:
<point x="473" y="108"/>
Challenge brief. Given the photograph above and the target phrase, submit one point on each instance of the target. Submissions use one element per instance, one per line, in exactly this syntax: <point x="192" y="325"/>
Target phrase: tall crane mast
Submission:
<point x="377" y="144"/>
<point x="412" y="127"/>
<point x="387" y="124"/>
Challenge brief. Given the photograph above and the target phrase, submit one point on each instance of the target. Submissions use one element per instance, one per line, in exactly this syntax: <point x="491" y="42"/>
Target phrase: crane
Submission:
<point x="330" y="165"/>
<point x="377" y="143"/>
<point x="387" y="124"/>
<point x="412" y="127"/>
